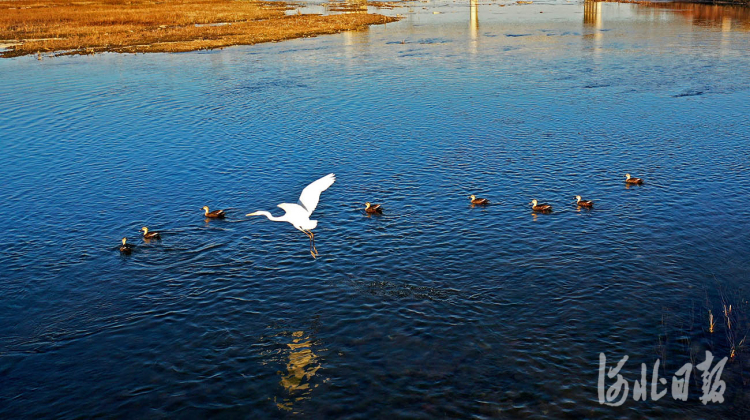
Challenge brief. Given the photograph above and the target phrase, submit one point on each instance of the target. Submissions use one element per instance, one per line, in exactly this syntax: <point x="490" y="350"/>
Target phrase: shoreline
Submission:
<point x="59" y="27"/>
<point x="702" y="2"/>
<point x="62" y="28"/>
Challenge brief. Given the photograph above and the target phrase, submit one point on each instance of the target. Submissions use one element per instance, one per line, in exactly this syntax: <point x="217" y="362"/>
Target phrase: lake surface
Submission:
<point x="434" y="309"/>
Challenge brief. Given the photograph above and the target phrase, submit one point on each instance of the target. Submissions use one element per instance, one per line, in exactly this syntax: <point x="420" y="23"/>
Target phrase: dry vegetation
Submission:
<point x="82" y="27"/>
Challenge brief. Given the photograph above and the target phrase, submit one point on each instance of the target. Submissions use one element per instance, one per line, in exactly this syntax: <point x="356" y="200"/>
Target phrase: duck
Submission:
<point x="630" y="180"/>
<point x="540" y="207"/>
<point x="125" y="248"/>
<point x="150" y="235"/>
<point x="478" y="201"/>
<point x="373" y="208"/>
<point x="584" y="203"/>
<point x="216" y="214"/>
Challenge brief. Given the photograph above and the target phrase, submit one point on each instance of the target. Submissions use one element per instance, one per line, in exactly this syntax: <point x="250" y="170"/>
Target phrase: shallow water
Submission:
<point x="435" y="308"/>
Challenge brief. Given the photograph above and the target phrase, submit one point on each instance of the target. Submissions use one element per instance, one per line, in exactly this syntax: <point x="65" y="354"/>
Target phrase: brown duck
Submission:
<point x="478" y="201"/>
<point x="584" y="203"/>
<point x="373" y="208"/>
<point x="149" y="235"/>
<point x="544" y="208"/>
<point x="216" y="214"/>
<point x="630" y="180"/>
<point x="125" y="248"/>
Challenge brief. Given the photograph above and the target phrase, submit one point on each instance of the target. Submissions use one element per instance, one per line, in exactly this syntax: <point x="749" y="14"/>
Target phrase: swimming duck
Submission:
<point x="478" y="201"/>
<point x="540" y="207"/>
<point x="584" y="203"/>
<point x="373" y="208"/>
<point x="216" y="214"/>
<point x="125" y="248"/>
<point x="629" y="180"/>
<point x="149" y="235"/>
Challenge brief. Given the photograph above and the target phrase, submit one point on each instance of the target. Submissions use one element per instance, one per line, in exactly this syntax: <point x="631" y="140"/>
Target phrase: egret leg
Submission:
<point x="312" y="241"/>
<point x="312" y="236"/>
<point x="312" y="247"/>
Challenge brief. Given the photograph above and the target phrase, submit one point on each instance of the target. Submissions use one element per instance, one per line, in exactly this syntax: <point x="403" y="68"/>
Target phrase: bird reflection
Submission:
<point x="302" y="365"/>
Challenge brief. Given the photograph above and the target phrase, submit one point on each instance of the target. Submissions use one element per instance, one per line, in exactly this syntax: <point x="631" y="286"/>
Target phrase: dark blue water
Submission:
<point x="434" y="309"/>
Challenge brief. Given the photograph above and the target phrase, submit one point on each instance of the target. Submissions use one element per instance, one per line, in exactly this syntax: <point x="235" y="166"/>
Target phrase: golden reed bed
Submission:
<point x="84" y="27"/>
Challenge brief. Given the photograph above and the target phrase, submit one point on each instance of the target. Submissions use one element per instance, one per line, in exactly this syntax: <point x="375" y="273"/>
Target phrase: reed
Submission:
<point x="735" y="332"/>
<point x="70" y="27"/>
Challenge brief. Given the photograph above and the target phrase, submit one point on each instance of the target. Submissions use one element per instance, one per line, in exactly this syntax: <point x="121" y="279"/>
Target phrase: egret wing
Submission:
<point x="311" y="194"/>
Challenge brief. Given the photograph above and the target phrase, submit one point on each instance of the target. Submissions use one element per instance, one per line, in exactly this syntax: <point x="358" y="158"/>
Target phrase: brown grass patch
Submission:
<point x="80" y="27"/>
<point x="388" y="4"/>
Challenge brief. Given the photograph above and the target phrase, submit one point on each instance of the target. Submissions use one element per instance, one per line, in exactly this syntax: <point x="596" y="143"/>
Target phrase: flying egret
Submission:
<point x="299" y="214"/>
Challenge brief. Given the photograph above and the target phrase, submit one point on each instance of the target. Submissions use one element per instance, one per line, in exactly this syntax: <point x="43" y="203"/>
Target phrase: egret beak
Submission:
<point x="252" y="214"/>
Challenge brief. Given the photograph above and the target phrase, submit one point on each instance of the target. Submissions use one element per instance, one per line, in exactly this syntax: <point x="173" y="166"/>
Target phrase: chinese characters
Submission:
<point x="616" y="393"/>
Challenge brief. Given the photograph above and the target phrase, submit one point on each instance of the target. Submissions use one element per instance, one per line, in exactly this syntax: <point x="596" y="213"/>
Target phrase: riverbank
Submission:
<point x="63" y="27"/>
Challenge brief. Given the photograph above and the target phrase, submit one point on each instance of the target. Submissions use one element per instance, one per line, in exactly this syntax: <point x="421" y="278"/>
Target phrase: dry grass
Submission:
<point x="69" y="27"/>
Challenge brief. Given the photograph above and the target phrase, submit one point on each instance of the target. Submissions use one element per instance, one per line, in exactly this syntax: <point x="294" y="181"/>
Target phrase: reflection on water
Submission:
<point x="301" y="366"/>
<point x="360" y="36"/>
<point x="592" y="14"/>
<point x="724" y="18"/>
<point x="709" y="15"/>
<point x="473" y="25"/>
<point x="474" y="18"/>
<point x="592" y="20"/>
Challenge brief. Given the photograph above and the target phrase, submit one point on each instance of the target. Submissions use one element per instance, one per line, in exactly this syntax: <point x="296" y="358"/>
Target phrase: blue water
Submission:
<point x="435" y="309"/>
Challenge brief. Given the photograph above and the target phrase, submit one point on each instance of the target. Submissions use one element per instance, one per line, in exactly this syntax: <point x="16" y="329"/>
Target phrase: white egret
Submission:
<point x="299" y="214"/>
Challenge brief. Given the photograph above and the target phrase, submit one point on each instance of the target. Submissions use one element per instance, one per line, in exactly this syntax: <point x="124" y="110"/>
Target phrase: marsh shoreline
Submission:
<point x="61" y="27"/>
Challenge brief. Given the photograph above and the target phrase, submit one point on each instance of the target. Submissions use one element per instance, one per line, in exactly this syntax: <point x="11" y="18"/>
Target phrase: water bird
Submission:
<point x="149" y="235"/>
<point x="299" y="214"/>
<point x="216" y="214"/>
<point x="584" y="203"/>
<point x="478" y="201"/>
<point x="125" y="248"/>
<point x="544" y="208"/>
<point x="630" y="180"/>
<point x="373" y="208"/>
